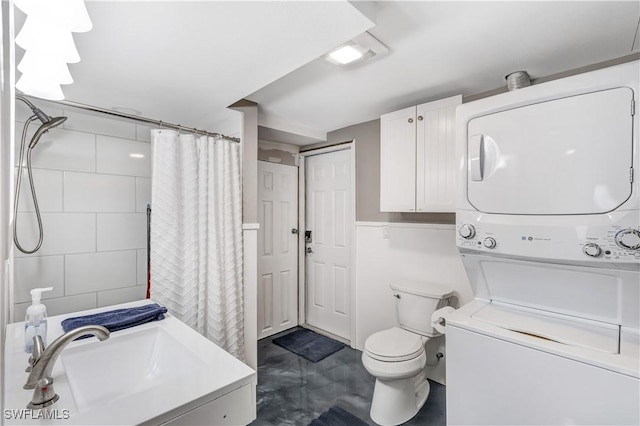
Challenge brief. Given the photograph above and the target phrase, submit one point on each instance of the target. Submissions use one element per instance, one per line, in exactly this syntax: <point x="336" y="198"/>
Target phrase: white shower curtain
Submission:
<point x="196" y="234"/>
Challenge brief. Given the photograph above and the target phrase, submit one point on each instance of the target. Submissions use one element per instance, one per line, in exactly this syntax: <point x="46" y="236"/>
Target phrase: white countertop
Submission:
<point x="152" y="406"/>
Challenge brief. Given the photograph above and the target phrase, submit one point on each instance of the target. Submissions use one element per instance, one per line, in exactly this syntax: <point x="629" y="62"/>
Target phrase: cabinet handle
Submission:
<point x="410" y="120"/>
<point x="419" y="118"/>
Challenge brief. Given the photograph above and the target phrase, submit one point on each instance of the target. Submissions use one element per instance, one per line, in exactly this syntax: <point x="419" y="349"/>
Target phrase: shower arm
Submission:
<point x="37" y="111"/>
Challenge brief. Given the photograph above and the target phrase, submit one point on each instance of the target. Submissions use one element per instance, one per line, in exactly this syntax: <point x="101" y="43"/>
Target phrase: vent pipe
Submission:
<point x="517" y="80"/>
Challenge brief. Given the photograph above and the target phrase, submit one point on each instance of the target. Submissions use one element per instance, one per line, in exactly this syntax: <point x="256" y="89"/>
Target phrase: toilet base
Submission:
<point x="397" y="401"/>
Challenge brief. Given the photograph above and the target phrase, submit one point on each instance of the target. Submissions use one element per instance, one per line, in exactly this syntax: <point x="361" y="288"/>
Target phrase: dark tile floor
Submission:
<point x="294" y="391"/>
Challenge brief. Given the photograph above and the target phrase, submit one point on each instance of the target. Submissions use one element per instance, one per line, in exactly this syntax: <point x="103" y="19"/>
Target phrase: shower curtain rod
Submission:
<point x="162" y="124"/>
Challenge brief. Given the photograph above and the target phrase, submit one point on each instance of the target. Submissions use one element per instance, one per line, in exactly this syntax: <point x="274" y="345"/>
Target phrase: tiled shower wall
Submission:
<point x="93" y="183"/>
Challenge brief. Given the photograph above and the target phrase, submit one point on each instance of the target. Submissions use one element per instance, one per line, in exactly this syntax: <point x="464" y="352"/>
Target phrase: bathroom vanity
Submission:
<point x="159" y="373"/>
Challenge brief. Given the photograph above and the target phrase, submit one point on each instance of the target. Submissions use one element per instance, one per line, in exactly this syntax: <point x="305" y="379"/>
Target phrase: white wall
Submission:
<point x="93" y="197"/>
<point x="249" y="123"/>
<point x="414" y="252"/>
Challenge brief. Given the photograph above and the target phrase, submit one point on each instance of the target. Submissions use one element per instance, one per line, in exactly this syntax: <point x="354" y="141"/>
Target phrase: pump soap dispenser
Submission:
<point x="35" y="322"/>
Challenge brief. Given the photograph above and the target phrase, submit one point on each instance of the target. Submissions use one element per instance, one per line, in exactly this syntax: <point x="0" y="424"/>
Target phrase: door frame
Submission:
<point x="302" y="278"/>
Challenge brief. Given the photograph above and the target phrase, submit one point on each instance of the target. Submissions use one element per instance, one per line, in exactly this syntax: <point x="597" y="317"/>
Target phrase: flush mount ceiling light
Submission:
<point x="346" y="54"/>
<point x="357" y="49"/>
<point x="46" y="37"/>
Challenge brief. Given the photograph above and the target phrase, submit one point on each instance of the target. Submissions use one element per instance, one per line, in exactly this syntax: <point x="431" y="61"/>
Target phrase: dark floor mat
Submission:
<point x="336" y="416"/>
<point x="309" y="345"/>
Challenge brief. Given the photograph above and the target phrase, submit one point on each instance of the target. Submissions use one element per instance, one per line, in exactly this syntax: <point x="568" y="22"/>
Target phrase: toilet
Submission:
<point x="396" y="357"/>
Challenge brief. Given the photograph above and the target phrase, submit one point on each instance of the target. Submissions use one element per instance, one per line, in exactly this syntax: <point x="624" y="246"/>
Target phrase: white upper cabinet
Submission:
<point x="398" y="161"/>
<point x="417" y="158"/>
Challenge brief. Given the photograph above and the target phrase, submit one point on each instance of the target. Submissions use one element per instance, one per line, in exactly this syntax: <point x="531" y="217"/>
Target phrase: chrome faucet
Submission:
<point x="38" y="348"/>
<point x="40" y="375"/>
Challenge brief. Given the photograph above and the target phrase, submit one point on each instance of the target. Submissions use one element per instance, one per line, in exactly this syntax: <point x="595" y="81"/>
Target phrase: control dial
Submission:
<point x="628" y="238"/>
<point x="490" y="242"/>
<point x="467" y="231"/>
<point x="592" y="249"/>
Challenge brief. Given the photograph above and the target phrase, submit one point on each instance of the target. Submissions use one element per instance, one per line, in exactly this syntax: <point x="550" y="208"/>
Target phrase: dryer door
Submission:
<point x="565" y="156"/>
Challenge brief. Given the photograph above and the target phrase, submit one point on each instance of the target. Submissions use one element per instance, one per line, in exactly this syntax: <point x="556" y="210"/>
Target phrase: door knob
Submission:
<point x="308" y="250"/>
<point x="294" y="231"/>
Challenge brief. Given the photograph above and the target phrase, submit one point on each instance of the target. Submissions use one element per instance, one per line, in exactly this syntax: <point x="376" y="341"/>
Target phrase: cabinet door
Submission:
<point x="398" y="161"/>
<point x="435" y="155"/>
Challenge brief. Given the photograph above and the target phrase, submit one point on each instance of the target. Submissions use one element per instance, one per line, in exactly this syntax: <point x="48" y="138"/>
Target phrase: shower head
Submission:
<point x="44" y="128"/>
<point x="48" y="123"/>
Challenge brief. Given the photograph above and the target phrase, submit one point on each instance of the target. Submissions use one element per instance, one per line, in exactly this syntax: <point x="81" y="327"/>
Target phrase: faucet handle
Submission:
<point x="43" y="395"/>
<point x="38" y="348"/>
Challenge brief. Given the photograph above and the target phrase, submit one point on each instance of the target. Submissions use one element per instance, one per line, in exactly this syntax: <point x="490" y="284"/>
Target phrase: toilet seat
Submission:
<point x="394" y="345"/>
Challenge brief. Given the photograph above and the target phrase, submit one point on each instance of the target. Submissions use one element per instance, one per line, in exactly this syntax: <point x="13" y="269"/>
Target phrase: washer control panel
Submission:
<point x="467" y="231"/>
<point x="628" y="239"/>
<point x="592" y="249"/>
<point x="614" y="239"/>
<point x="489" y="242"/>
<point x="618" y="243"/>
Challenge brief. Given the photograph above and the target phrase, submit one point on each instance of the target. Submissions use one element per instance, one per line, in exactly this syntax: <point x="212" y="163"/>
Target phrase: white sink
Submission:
<point x="126" y="364"/>
<point x="156" y="373"/>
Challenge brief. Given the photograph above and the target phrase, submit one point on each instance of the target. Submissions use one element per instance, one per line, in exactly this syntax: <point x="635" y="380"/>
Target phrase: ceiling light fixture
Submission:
<point x="47" y="39"/>
<point x="346" y="54"/>
<point x="357" y="49"/>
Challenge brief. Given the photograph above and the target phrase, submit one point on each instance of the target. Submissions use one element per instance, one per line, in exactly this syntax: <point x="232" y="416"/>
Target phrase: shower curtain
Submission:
<point x="196" y="234"/>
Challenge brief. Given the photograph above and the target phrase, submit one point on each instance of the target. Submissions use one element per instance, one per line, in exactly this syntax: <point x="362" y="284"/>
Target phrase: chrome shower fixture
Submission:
<point x="37" y="111"/>
<point x="44" y="128"/>
<point x="48" y="123"/>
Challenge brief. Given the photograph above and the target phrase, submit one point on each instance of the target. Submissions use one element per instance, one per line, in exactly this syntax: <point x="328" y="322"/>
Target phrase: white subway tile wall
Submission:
<point x="91" y="192"/>
<point x="48" y="185"/>
<point x="143" y="189"/>
<point x="65" y="233"/>
<point x="61" y="305"/>
<point x="118" y="156"/>
<point x="93" y="184"/>
<point x="120" y="295"/>
<point x="61" y="149"/>
<point x="143" y="133"/>
<point x="141" y="272"/>
<point x="122" y="231"/>
<point x="40" y="271"/>
<point x="95" y="271"/>
<point x="99" y="125"/>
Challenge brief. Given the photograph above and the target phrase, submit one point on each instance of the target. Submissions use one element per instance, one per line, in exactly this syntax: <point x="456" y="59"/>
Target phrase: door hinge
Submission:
<point x="633" y="107"/>
<point x="631" y="174"/>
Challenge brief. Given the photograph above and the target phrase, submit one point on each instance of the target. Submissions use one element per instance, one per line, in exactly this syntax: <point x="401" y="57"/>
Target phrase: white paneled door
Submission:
<point x="277" y="248"/>
<point x="328" y="253"/>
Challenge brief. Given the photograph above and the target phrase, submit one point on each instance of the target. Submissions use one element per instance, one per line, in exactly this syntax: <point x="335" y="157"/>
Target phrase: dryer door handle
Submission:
<point x="476" y="158"/>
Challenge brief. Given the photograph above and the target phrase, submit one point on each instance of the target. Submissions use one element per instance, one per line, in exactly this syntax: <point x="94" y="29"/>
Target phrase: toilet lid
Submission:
<point x="394" y="344"/>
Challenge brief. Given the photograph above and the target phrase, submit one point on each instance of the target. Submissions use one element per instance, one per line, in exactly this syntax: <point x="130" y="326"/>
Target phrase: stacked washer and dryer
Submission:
<point x="548" y="224"/>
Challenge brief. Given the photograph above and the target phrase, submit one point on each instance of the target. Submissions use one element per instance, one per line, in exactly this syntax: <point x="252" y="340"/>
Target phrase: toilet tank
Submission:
<point x="416" y="302"/>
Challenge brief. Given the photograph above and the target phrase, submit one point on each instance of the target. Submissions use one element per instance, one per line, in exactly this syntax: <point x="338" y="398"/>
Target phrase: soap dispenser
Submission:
<point x="35" y="322"/>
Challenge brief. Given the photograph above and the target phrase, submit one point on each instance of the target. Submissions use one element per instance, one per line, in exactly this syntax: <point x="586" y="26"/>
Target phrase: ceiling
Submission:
<point x="440" y="49"/>
<point x="186" y="61"/>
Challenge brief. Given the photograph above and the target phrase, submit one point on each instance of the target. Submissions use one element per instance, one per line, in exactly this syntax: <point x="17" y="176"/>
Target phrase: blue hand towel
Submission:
<point x="118" y="319"/>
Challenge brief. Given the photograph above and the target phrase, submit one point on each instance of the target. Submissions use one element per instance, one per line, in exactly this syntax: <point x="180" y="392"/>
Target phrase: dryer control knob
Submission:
<point x="592" y="249"/>
<point x="490" y="242"/>
<point x="467" y="231"/>
<point x="628" y="238"/>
